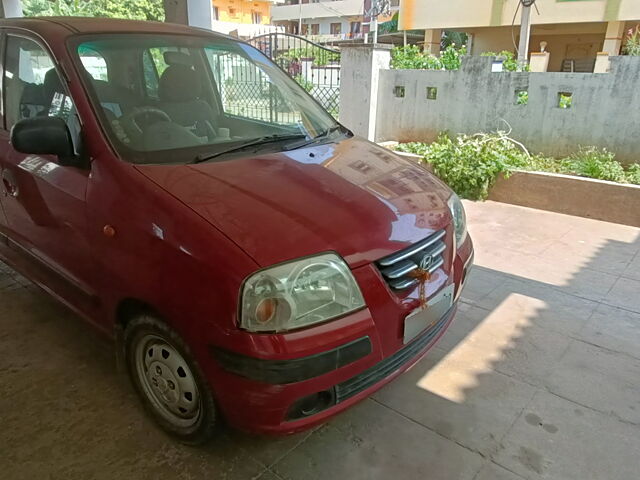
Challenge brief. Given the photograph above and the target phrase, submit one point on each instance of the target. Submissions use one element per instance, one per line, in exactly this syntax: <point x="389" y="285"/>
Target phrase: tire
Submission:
<point x="169" y="381"/>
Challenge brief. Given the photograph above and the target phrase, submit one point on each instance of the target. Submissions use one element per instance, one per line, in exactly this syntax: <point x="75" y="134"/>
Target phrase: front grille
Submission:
<point x="396" y="268"/>
<point x="389" y="365"/>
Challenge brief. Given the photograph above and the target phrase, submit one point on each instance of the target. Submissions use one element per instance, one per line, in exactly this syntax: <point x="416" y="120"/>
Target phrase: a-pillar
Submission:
<point x="613" y="38"/>
<point x="196" y="13"/>
<point x="360" y="66"/>
<point x="432" y="41"/>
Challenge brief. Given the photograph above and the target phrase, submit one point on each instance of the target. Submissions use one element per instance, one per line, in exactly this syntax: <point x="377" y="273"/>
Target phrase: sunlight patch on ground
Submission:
<point x="491" y="341"/>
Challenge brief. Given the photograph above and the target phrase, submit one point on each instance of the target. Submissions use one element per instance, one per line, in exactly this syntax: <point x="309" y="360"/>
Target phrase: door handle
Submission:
<point x="9" y="185"/>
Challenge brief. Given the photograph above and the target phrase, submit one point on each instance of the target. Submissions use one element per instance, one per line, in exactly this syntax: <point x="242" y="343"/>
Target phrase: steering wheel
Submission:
<point x="132" y="121"/>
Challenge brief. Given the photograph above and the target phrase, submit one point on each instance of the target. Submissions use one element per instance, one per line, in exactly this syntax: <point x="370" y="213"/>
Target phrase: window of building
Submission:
<point x="354" y="27"/>
<point x="256" y="17"/>
<point x="216" y="13"/>
<point x="305" y="29"/>
<point x="232" y="12"/>
<point x="336" y="28"/>
<point x="315" y="29"/>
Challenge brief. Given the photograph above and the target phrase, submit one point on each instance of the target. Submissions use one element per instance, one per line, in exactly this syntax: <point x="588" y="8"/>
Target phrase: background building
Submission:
<point x="574" y="30"/>
<point x="244" y="17"/>
<point x="325" y="20"/>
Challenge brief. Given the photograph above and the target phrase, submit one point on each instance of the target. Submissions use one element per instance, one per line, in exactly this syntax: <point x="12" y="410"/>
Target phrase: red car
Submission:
<point x="252" y="258"/>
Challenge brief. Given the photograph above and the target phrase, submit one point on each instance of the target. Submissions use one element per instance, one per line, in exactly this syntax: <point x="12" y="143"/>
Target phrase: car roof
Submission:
<point x="67" y="26"/>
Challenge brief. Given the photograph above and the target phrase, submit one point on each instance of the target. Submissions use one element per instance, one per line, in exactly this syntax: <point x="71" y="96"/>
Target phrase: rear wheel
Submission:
<point x="169" y="381"/>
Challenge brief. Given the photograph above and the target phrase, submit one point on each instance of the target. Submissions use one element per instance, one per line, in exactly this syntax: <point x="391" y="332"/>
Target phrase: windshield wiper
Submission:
<point x="258" y="141"/>
<point x="313" y="140"/>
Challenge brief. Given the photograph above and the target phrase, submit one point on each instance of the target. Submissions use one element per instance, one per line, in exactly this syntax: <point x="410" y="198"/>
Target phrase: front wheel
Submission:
<point x="168" y="380"/>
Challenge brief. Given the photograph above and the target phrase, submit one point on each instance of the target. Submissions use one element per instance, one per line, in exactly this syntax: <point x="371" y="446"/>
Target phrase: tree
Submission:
<point x="132" y="9"/>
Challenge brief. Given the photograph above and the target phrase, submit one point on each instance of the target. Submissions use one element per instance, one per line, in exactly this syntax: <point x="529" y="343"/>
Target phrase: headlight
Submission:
<point x="459" y="219"/>
<point x="298" y="294"/>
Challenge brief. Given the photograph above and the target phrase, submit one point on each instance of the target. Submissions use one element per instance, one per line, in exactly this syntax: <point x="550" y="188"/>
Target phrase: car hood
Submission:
<point x="352" y="197"/>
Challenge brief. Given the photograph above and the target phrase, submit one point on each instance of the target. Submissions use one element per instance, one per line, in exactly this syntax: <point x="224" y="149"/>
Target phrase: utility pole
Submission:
<point x="378" y="7"/>
<point x="374" y="27"/>
<point x="525" y="31"/>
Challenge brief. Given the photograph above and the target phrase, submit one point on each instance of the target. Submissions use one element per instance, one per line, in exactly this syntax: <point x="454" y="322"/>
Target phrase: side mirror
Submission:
<point x="44" y="136"/>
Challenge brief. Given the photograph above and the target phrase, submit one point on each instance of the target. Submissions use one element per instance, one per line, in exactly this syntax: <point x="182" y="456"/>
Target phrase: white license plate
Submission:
<point x="421" y="319"/>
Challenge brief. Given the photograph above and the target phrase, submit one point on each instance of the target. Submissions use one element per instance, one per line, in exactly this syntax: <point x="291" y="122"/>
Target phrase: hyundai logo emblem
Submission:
<point x="426" y="262"/>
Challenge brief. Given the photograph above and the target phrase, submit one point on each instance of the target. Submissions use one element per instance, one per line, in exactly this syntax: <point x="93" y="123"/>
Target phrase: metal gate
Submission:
<point x="315" y="67"/>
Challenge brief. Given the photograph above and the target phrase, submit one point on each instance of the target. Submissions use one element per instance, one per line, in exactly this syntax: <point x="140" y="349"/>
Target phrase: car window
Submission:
<point x="94" y="64"/>
<point x="32" y="85"/>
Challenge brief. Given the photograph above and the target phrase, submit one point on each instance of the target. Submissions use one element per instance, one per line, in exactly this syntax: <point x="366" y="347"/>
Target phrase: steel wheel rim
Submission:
<point x="167" y="381"/>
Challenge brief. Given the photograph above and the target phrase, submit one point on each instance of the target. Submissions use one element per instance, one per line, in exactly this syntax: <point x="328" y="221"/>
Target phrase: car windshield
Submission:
<point x="183" y="99"/>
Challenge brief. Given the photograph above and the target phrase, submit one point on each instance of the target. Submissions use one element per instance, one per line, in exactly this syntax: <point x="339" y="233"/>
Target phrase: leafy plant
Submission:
<point x="596" y="163"/>
<point x="470" y="164"/>
<point x="451" y="57"/>
<point x="565" y="101"/>
<point x="632" y="44"/>
<point x="410" y="57"/>
<point x="633" y="173"/>
<point x="522" y="97"/>
<point x="451" y="37"/>
<point x="320" y="56"/>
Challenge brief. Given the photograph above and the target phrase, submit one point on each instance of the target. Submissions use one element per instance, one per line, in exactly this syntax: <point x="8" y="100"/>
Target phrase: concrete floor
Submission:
<point x="539" y="377"/>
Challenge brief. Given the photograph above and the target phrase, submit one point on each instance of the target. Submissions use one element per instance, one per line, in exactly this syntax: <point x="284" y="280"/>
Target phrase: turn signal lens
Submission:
<point x="266" y="310"/>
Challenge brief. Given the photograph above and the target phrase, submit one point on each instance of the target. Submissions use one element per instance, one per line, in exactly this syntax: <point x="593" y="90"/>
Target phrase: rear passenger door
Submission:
<point x="44" y="202"/>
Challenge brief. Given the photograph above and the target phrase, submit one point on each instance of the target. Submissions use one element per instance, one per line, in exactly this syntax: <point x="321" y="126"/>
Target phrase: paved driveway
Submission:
<point x="539" y="377"/>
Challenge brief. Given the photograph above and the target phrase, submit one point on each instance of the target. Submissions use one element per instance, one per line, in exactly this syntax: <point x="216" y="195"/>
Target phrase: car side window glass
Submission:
<point x="94" y="63"/>
<point x="33" y="86"/>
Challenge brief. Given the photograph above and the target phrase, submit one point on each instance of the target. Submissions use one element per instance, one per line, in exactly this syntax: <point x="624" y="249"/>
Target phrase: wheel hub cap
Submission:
<point x="167" y="381"/>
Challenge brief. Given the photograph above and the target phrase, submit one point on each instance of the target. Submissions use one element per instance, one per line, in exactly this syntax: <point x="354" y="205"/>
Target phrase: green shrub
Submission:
<point x="523" y="98"/>
<point x="633" y="174"/>
<point x="597" y="163"/>
<point x="407" y="58"/>
<point x="632" y="44"/>
<point x="320" y="56"/>
<point x="470" y="165"/>
<point x="411" y="57"/>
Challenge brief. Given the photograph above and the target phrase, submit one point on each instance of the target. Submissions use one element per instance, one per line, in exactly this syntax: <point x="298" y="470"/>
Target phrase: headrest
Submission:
<point x="179" y="83"/>
<point x="177" y="58"/>
<point x="52" y="83"/>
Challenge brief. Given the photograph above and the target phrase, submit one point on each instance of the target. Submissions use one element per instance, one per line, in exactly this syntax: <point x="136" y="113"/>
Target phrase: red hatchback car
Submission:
<point x="252" y="258"/>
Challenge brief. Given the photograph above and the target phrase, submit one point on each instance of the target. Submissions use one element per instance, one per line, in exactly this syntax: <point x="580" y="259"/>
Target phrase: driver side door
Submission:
<point x="44" y="202"/>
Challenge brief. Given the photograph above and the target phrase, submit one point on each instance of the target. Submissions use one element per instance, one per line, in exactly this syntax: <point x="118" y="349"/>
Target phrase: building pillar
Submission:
<point x="613" y="38"/>
<point x="360" y="66"/>
<point x="196" y="13"/>
<point x="10" y="8"/>
<point x="432" y="41"/>
<point x="603" y="64"/>
<point x="539" y="62"/>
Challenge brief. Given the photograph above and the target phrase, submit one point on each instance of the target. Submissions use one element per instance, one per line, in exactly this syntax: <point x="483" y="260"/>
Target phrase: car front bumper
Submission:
<point x="265" y="407"/>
